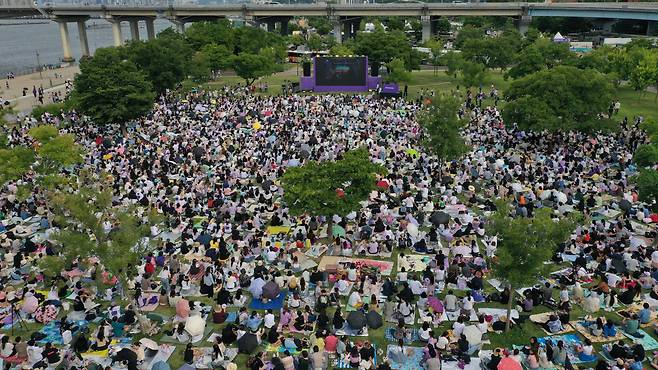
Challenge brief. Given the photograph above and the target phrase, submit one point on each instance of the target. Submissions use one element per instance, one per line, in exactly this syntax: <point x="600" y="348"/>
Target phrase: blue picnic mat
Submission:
<point x="273" y="304"/>
<point x="570" y="341"/>
<point x="232" y="316"/>
<point x="341" y="363"/>
<point x="53" y="334"/>
<point x="409" y="362"/>
<point x="389" y="334"/>
<point x="648" y="342"/>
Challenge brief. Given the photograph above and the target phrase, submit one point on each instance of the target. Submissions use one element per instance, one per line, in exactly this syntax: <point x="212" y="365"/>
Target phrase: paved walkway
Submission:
<point x="51" y="80"/>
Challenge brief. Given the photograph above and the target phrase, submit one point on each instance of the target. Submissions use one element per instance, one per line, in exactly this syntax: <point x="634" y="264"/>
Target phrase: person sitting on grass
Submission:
<point x="632" y="326"/>
<point x="586" y="351"/>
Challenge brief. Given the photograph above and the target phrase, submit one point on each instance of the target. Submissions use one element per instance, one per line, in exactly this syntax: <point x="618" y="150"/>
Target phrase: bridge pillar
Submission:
<point x="134" y="29"/>
<point x="179" y="23"/>
<point x="335" y="22"/>
<point x="284" y="25"/>
<point x="426" y="22"/>
<point x="351" y="26"/>
<point x="66" y="44"/>
<point x="271" y="26"/>
<point x="84" y="42"/>
<point x="523" y="23"/>
<point x="150" y="28"/>
<point x="116" y="31"/>
<point x="652" y="28"/>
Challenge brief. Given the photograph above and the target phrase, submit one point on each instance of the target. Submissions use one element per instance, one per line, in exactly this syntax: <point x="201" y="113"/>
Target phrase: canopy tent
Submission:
<point x="559" y="38"/>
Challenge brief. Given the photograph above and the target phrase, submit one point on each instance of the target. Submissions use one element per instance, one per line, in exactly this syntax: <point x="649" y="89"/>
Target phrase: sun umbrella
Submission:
<point x="195" y="325"/>
<point x="382" y="184"/>
<point x="160" y="365"/>
<point x="149" y="343"/>
<point x="127" y="355"/>
<point x="435" y="303"/>
<point x="561" y="197"/>
<point x="509" y="363"/>
<point x="356" y="320"/>
<point x="440" y="218"/>
<point x="374" y="320"/>
<point x="247" y="343"/>
<point x="473" y="335"/>
<point x="183" y="308"/>
<point x="271" y="290"/>
<point x="412" y="229"/>
<point x="338" y="231"/>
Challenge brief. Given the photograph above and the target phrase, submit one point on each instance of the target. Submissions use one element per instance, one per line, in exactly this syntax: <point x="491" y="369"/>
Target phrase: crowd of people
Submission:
<point x="234" y="272"/>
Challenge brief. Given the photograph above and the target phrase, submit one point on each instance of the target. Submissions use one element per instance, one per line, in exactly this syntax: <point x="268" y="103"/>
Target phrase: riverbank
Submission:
<point x="51" y="80"/>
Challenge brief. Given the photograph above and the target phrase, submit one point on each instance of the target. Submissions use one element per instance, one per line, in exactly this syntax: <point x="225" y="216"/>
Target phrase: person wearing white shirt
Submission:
<point x="415" y="286"/>
<point x="402" y="275"/>
<point x="451" y="301"/>
<point x="269" y="320"/>
<point x="458" y="327"/>
<point x="355" y="299"/>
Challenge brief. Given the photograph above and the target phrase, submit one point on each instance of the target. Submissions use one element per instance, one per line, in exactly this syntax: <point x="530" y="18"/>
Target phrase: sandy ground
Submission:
<point x="51" y="80"/>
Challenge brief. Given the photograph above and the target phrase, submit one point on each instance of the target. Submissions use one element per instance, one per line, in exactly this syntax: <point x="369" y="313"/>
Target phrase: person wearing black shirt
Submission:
<point x="303" y="362"/>
<point x="188" y="356"/>
<point x="367" y="352"/>
<point x="618" y="350"/>
<point x="256" y="363"/>
<point x="495" y="360"/>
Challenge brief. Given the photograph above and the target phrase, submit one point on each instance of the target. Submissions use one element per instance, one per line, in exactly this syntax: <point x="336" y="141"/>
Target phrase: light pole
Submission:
<point x="39" y="65"/>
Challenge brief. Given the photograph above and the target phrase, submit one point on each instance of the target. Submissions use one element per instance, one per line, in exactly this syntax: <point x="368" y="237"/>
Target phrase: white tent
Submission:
<point x="559" y="38"/>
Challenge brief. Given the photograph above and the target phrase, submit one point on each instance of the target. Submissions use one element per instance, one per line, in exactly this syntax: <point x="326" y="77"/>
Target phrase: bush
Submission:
<point x="647" y="185"/>
<point x="54" y="109"/>
<point x="646" y="155"/>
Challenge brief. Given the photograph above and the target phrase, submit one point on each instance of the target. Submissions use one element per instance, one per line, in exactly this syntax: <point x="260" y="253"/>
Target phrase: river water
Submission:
<point x="21" y="40"/>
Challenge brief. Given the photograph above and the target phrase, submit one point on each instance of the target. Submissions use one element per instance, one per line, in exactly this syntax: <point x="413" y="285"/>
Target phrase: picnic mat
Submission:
<point x="384" y="267"/>
<point x="346" y="330"/>
<point x="344" y="363"/>
<point x="413" y="262"/>
<point x="498" y="312"/>
<point x="584" y="331"/>
<point x="648" y="342"/>
<point x="454" y="365"/>
<point x="542" y="318"/>
<point x="273" y="304"/>
<point x="52" y="332"/>
<point x="412" y="358"/>
<point x="570" y="342"/>
<point x="169" y="339"/>
<point x="389" y="334"/>
<point x="280" y="349"/>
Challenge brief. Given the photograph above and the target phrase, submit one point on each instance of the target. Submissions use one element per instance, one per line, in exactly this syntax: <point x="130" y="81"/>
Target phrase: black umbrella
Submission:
<point x="374" y="320"/>
<point x="356" y="320"/>
<point x="440" y="218"/>
<point x="625" y="205"/>
<point x="271" y="290"/>
<point x="247" y="343"/>
<point x="266" y="185"/>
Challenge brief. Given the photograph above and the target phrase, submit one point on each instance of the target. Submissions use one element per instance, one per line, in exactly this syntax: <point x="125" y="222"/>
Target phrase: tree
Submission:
<point x="91" y="227"/>
<point x="544" y="53"/>
<point x="396" y="72"/>
<point x="473" y="74"/>
<point x="110" y="89"/>
<point x="315" y="42"/>
<point x="645" y="74"/>
<point x="253" y="66"/>
<point x="163" y="60"/>
<point x="647" y="186"/>
<point x="15" y="163"/>
<point x="381" y="47"/>
<point x="646" y="155"/>
<point x="331" y="188"/>
<point x="468" y="32"/>
<point x="321" y="24"/>
<point x="524" y="245"/>
<point x="218" y="57"/>
<point x="443" y="25"/>
<point x="220" y="32"/>
<point x="341" y="50"/>
<point x="563" y="98"/>
<point x="441" y="128"/>
<point x="453" y="61"/>
<point x="493" y="52"/>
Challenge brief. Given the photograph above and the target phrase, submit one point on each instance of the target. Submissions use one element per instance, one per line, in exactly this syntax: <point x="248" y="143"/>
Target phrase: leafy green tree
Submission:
<point x="646" y="155"/>
<point x="468" y="32"/>
<point x="253" y="66"/>
<point x="647" y="186"/>
<point x="396" y="72"/>
<point x="473" y="74"/>
<point x="453" y="61"/>
<point x="493" y="52"/>
<point x="543" y="54"/>
<point x="443" y="25"/>
<point x="61" y="151"/>
<point x="84" y="217"/>
<point x="524" y="245"/>
<point x="381" y="47"/>
<point x="331" y="188"/>
<point x="341" y="50"/>
<point x="296" y="40"/>
<point x="44" y="133"/>
<point x="15" y="163"/>
<point x="563" y="98"/>
<point x="645" y="74"/>
<point x="218" y="56"/>
<point x="253" y="40"/>
<point x="200" y="34"/>
<point x="321" y="24"/>
<point x="110" y="89"/>
<point x="441" y="128"/>
<point x="163" y="60"/>
<point x="315" y="42"/>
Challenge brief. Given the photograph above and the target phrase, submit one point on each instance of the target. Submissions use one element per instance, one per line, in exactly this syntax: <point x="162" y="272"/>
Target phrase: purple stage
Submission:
<point x="309" y="83"/>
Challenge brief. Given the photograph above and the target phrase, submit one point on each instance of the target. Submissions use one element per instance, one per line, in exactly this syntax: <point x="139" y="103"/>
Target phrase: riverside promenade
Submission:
<point x="51" y="80"/>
